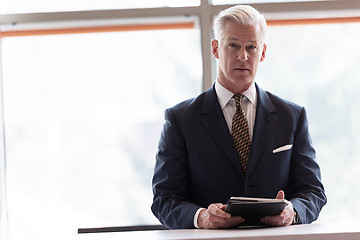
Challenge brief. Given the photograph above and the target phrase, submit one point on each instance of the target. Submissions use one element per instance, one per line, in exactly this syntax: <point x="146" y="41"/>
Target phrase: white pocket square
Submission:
<point x="283" y="148"/>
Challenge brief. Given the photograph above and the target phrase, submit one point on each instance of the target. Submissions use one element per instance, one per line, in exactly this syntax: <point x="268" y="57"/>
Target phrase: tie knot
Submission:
<point x="238" y="98"/>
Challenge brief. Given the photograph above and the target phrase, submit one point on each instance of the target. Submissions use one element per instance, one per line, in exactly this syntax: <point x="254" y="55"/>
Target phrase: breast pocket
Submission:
<point x="281" y="160"/>
<point x="283" y="155"/>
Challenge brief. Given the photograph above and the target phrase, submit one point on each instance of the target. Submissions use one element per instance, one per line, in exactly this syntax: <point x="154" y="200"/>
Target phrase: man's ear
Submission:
<point x="263" y="53"/>
<point x="215" y="48"/>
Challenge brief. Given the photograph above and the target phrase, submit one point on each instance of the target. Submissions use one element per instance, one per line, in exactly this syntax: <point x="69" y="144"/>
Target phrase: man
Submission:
<point x="206" y="155"/>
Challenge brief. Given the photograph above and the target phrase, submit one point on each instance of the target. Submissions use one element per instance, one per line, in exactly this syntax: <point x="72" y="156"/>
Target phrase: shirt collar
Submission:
<point x="225" y="95"/>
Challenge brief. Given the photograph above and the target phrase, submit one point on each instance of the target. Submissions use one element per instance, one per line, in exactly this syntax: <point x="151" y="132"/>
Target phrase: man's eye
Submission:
<point x="233" y="45"/>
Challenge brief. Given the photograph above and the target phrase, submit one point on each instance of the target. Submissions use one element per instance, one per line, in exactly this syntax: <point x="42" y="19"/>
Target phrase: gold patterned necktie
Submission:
<point x="240" y="132"/>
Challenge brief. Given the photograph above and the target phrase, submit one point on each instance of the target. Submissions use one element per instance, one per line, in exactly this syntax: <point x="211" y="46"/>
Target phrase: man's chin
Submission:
<point x="242" y="80"/>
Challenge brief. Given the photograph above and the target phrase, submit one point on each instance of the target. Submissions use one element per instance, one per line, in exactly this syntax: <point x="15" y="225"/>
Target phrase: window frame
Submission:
<point x="278" y="12"/>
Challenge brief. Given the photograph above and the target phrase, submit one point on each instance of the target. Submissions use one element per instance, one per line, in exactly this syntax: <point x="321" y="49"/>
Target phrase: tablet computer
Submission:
<point x="254" y="208"/>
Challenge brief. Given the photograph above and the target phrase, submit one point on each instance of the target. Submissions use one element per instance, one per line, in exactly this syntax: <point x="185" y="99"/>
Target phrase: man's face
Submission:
<point x="239" y="53"/>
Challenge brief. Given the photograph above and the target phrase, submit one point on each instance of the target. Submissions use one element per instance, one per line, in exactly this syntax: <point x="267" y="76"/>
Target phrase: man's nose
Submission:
<point x="242" y="55"/>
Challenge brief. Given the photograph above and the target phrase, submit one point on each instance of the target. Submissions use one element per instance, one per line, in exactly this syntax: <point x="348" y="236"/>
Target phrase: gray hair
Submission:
<point x="242" y="14"/>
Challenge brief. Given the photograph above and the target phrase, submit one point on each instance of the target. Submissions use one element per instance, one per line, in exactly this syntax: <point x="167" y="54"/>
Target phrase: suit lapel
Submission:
<point x="214" y="122"/>
<point x="265" y="123"/>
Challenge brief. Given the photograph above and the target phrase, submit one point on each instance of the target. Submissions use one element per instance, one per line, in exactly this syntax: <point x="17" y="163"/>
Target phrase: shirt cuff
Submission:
<point x="196" y="217"/>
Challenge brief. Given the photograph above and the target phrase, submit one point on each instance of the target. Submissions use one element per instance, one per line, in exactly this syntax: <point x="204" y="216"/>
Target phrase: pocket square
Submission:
<point x="283" y="148"/>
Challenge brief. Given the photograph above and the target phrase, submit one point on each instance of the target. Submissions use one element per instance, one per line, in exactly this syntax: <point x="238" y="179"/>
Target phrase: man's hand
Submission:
<point x="285" y="218"/>
<point x="215" y="217"/>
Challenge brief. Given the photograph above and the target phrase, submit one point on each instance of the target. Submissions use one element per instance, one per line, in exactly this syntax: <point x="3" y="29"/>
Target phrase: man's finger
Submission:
<point x="280" y="195"/>
<point x="217" y="210"/>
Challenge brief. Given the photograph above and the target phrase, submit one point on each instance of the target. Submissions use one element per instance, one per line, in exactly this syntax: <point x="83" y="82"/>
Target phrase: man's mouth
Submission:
<point x="241" y="69"/>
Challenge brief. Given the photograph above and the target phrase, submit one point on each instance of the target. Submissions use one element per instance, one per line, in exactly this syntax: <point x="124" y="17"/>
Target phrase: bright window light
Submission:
<point x="317" y="66"/>
<point x="220" y="2"/>
<point x="35" y="6"/>
<point x="83" y="116"/>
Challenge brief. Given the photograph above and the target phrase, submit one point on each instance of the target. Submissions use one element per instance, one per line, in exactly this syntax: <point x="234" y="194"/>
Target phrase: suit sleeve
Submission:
<point x="307" y="191"/>
<point x="170" y="183"/>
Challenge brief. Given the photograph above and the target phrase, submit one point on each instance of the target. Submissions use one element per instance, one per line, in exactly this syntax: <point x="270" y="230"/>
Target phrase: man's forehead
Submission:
<point x="242" y="39"/>
<point x="233" y="38"/>
<point x="240" y="31"/>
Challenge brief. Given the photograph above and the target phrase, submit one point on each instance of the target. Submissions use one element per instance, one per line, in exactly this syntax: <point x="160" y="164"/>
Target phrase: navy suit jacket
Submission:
<point x="197" y="163"/>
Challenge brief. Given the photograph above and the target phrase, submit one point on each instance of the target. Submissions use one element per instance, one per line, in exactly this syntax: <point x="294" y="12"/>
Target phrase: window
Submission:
<point x="36" y="6"/>
<point x="317" y="66"/>
<point x="218" y="2"/>
<point x="83" y="115"/>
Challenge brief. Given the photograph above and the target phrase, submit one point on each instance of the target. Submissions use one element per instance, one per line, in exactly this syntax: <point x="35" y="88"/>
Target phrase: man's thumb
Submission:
<point x="280" y="195"/>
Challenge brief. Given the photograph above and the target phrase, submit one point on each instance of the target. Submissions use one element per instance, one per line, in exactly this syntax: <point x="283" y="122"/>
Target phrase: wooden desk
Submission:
<point x="315" y="231"/>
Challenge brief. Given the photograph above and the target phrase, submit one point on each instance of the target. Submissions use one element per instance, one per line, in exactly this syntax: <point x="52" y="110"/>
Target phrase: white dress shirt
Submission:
<point x="228" y="106"/>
